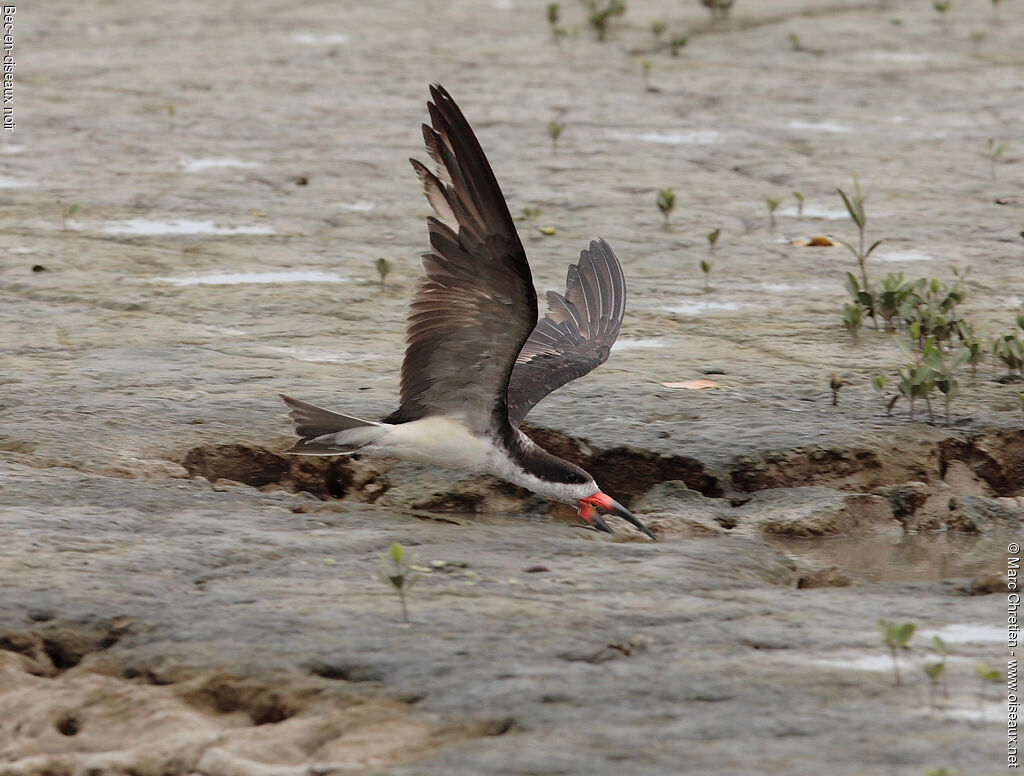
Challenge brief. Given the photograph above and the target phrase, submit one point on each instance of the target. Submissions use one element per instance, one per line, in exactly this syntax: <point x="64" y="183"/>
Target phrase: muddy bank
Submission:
<point x="193" y="205"/>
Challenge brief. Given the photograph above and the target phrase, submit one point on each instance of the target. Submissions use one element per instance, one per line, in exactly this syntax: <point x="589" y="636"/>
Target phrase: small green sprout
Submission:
<point x="666" y="203"/>
<point x="799" y="203"/>
<point x="896" y="636"/>
<point x="878" y="383"/>
<point x="994" y="152"/>
<point x="936" y="672"/>
<point x="646" y="65"/>
<point x="1021" y="397"/>
<point x="553" y="13"/>
<point x="942" y="6"/>
<point x="601" y="14"/>
<point x="554" y="132"/>
<point x="794" y="42"/>
<point x="705" y="267"/>
<point x="170" y="115"/>
<point x="713" y="236"/>
<point x="678" y="42"/>
<point x="658" y="28"/>
<point x="987" y="676"/>
<point x="66" y="211"/>
<point x="719" y="8"/>
<point x="399" y="574"/>
<point x="995" y="9"/>
<point x="855" y="207"/>
<point x="384" y="268"/>
<point x="531" y="213"/>
<point x="853" y="319"/>
<point x="943" y="771"/>
<point x="772" y="205"/>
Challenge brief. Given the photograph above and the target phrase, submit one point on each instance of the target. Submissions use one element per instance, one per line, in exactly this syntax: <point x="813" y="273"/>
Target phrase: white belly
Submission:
<point x="438" y="440"/>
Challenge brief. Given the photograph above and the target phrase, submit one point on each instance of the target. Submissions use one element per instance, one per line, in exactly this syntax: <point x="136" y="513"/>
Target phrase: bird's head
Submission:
<point x="568" y="483"/>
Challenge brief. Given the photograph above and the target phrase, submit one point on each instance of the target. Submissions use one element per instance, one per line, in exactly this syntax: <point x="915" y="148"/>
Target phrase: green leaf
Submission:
<point x="934" y="670"/>
<point x="904" y="634"/>
<point x="397" y="552"/>
<point x="874" y="245"/>
<point x="857" y="219"/>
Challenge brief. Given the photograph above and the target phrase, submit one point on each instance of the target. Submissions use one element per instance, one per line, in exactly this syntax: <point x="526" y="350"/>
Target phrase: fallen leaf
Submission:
<point x="695" y="385"/>
<point x="814" y="242"/>
<point x="546" y="230"/>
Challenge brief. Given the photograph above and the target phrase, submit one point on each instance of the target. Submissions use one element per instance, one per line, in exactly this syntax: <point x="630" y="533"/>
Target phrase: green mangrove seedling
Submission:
<point x="713" y="236"/>
<point x="601" y="12"/>
<point x="554" y="132"/>
<point x="942" y="6"/>
<point x="772" y="205"/>
<point x="705" y="267"/>
<point x="794" y="42"/>
<point x="878" y="383"/>
<point x="646" y="65"/>
<point x="934" y="672"/>
<point x="66" y="211"/>
<point x="853" y="319"/>
<point x="896" y="637"/>
<point x="943" y="771"/>
<point x="553" y="13"/>
<point x="993" y="154"/>
<point x="799" y="203"/>
<point x="676" y="43"/>
<point x="666" y="203"/>
<point x="384" y="268"/>
<point x="987" y="676"/>
<point x="719" y="9"/>
<point x="855" y="207"/>
<point x="531" y="213"/>
<point x="397" y="572"/>
<point x="658" y="28"/>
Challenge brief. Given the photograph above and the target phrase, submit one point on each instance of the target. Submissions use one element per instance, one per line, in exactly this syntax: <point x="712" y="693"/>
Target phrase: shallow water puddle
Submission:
<point x="896" y="56"/>
<point x="898" y="557"/>
<point x="814" y="211"/>
<point x="238" y="278"/>
<point x="314" y="39"/>
<point x="150" y="227"/>
<point x="628" y="343"/>
<point x="199" y="165"/>
<point x="14" y="183"/>
<point x="700" y="308"/>
<point x="967" y="633"/>
<point x="818" y="126"/>
<point x="323" y="356"/>
<point x="688" y="137"/>
<point x="362" y="206"/>
<point x="894" y="256"/>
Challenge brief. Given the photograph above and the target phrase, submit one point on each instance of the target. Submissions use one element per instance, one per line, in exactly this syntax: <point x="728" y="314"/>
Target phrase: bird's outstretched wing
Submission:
<point x="577" y="333"/>
<point x="476" y="305"/>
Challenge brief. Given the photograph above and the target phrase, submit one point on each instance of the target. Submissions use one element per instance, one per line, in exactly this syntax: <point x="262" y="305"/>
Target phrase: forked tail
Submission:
<point x="323" y="432"/>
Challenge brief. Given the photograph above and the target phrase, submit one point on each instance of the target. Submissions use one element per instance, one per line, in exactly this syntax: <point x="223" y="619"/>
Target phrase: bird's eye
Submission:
<point x="573" y="478"/>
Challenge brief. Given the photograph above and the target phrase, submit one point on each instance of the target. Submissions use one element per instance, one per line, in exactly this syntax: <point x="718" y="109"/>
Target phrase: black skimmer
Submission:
<point x="477" y="359"/>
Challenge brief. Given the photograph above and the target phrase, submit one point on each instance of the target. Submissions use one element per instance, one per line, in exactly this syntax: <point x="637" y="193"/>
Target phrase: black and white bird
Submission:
<point x="477" y="359"/>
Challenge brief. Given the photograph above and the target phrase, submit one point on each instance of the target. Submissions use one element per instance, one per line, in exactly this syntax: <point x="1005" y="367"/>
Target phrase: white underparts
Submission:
<point x="446" y="441"/>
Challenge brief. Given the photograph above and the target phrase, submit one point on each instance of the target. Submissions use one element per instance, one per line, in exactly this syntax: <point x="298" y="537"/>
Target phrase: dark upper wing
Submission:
<point x="476" y="305"/>
<point x="576" y="335"/>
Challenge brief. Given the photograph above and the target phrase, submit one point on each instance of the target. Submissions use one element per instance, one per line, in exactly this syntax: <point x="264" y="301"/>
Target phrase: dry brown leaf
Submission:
<point x="814" y="242"/>
<point x="695" y="385"/>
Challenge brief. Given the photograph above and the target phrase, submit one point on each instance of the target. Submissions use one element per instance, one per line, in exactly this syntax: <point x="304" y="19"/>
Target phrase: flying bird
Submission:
<point x="477" y="358"/>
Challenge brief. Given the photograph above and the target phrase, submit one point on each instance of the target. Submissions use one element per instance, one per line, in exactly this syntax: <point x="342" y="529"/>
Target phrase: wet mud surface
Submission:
<point x="192" y="207"/>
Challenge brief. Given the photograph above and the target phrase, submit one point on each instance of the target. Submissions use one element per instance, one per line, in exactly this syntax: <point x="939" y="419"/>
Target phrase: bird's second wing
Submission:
<point x="476" y="305"/>
<point x="577" y="333"/>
